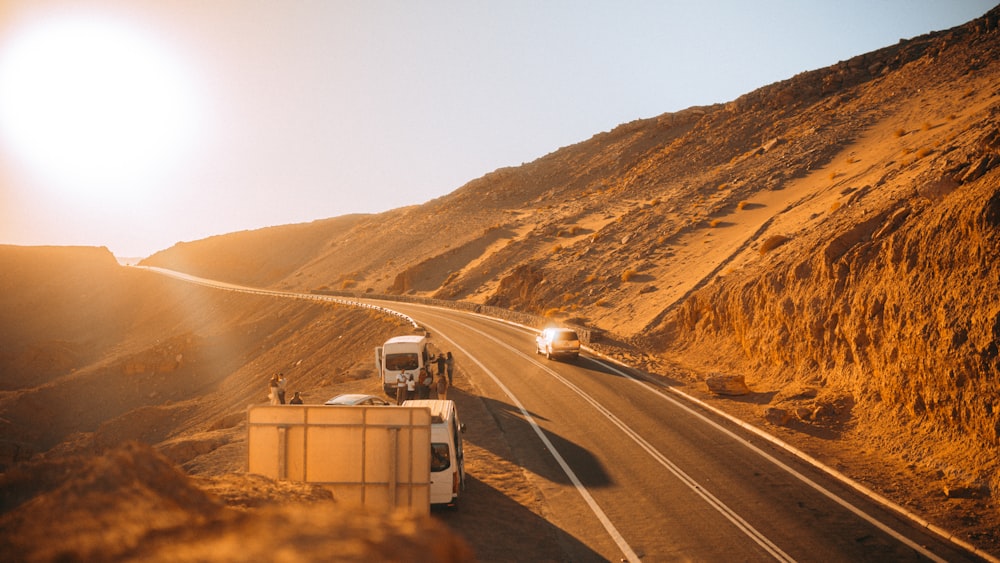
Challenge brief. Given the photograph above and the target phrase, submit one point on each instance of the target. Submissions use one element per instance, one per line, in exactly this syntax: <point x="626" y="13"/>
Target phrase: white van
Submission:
<point x="400" y="353"/>
<point x="447" y="459"/>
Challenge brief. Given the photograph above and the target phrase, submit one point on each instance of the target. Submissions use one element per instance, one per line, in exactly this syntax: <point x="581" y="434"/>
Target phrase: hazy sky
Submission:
<point x="136" y="124"/>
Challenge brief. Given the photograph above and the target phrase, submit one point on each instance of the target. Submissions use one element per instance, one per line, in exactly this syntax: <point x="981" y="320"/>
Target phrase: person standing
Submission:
<point x="272" y="390"/>
<point x="424" y="385"/>
<point x="442" y="388"/>
<point x="440" y="364"/>
<point x="450" y="365"/>
<point x="411" y="387"/>
<point x="282" y="382"/>
<point x="401" y="387"/>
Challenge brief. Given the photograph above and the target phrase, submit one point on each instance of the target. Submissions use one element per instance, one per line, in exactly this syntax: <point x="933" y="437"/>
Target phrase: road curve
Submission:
<point x="633" y="473"/>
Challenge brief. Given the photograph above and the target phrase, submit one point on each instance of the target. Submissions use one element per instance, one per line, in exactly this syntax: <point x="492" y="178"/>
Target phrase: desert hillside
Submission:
<point x="832" y="238"/>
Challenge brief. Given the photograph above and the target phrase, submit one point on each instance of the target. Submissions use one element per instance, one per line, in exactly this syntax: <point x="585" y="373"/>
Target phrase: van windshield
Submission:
<point x="440" y="457"/>
<point x="407" y="361"/>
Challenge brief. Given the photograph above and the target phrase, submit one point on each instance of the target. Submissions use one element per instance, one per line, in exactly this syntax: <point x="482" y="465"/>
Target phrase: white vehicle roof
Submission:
<point x="414" y="338"/>
<point x="441" y="410"/>
<point x="554" y="330"/>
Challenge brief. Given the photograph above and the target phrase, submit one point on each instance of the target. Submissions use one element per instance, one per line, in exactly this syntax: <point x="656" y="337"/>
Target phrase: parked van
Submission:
<point x="447" y="459"/>
<point x="558" y="343"/>
<point x="400" y="353"/>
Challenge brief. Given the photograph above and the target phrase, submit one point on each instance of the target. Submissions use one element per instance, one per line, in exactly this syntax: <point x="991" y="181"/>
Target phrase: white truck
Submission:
<point x="447" y="458"/>
<point x="401" y="354"/>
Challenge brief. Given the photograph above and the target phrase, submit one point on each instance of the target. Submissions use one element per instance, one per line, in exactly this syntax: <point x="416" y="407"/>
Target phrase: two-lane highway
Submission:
<point x="632" y="472"/>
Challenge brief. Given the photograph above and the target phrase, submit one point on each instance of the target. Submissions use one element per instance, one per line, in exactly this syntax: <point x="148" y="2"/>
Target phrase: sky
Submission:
<point x="137" y="124"/>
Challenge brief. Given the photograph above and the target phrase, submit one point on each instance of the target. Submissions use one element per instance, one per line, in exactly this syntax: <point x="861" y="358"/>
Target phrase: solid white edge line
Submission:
<point x="871" y="495"/>
<point x="752" y="533"/>
<point x="594" y="507"/>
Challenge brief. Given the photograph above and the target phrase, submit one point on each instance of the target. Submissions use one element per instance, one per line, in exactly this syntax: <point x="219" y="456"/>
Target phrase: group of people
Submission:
<point x="421" y="384"/>
<point x="276" y="391"/>
<point x="408" y="385"/>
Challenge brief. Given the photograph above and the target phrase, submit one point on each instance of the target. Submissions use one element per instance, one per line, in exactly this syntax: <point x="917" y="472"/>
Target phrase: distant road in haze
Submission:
<point x="633" y="471"/>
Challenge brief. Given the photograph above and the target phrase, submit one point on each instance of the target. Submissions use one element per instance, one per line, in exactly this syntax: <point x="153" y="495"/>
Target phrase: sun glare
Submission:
<point x="92" y="107"/>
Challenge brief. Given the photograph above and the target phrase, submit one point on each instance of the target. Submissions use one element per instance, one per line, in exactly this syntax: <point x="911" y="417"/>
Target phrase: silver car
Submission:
<point x="357" y="399"/>
<point x="558" y="343"/>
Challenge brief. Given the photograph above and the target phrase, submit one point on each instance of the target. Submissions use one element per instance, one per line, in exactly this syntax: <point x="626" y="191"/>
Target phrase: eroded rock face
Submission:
<point x="904" y="313"/>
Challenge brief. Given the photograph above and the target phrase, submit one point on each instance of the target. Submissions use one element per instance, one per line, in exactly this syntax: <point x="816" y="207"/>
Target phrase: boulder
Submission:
<point x="722" y="384"/>
<point x="777" y="416"/>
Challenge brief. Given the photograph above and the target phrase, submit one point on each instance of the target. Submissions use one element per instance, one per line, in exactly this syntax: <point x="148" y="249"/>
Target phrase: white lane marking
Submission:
<point x="691" y="483"/>
<point x="630" y="555"/>
<point x="816" y="486"/>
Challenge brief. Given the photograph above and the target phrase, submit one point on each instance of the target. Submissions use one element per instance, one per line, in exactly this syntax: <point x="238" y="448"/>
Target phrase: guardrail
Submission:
<point x="587" y="335"/>
<point x="352" y="299"/>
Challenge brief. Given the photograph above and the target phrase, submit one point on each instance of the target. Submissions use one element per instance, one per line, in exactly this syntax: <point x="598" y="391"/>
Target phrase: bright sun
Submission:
<point x="93" y="107"/>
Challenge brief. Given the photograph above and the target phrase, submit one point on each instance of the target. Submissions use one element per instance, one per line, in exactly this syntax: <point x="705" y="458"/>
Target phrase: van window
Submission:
<point x="407" y="361"/>
<point x="440" y="457"/>
<point x="565" y="335"/>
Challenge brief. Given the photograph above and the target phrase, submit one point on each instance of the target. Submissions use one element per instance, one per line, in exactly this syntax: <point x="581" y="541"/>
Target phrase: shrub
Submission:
<point x="348" y="284"/>
<point x="715" y="223"/>
<point x="773" y="242"/>
<point x="557" y="249"/>
<point x="590" y="278"/>
<point x="923" y="152"/>
<point x="899" y="132"/>
<point x="742" y="205"/>
<point x="629" y="275"/>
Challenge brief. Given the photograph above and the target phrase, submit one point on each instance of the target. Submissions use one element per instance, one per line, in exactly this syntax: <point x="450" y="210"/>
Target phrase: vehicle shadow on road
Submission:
<point x="498" y="528"/>
<point x="516" y="441"/>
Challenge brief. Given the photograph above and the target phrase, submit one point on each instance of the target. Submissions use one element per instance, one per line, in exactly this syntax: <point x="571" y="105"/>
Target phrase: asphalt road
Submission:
<point x="633" y="472"/>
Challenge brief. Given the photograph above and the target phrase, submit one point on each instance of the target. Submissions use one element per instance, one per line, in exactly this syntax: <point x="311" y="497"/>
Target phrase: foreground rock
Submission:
<point x="132" y="504"/>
